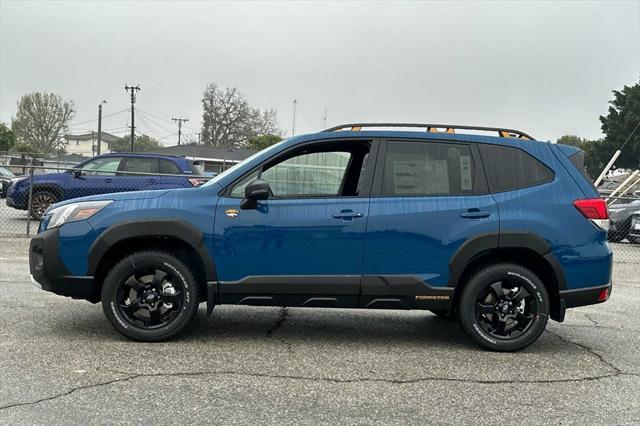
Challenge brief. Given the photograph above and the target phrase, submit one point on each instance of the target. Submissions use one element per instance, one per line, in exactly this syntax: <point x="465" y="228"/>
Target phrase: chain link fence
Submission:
<point x="24" y="189"/>
<point x="30" y="184"/>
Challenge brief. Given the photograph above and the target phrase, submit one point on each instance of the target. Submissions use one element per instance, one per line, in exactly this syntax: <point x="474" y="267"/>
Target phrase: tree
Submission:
<point x="41" y="121"/>
<point x="140" y="144"/>
<point x="229" y="121"/>
<point x="619" y="125"/>
<point x="7" y="138"/>
<point x="572" y="140"/>
<point x="263" y="141"/>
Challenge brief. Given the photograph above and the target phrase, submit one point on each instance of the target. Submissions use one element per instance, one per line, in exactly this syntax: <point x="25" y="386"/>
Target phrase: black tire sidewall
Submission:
<point x="124" y="269"/>
<point x="490" y="275"/>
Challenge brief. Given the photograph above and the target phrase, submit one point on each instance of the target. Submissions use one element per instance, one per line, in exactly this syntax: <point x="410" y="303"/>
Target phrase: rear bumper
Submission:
<point x="585" y="296"/>
<point x="50" y="274"/>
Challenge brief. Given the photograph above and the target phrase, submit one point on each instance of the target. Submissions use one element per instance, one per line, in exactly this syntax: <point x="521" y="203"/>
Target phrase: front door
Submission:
<point x="308" y="237"/>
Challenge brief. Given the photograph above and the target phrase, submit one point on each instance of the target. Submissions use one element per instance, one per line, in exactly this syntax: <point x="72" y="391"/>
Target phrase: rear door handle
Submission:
<point x="475" y="214"/>
<point x="108" y="180"/>
<point x="346" y="214"/>
<point x="151" y="181"/>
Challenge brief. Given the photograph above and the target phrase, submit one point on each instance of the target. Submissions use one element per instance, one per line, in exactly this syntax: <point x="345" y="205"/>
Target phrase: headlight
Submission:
<point x="74" y="212"/>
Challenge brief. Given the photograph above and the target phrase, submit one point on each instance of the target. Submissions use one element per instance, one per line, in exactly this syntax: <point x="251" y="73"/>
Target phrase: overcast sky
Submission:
<point x="547" y="68"/>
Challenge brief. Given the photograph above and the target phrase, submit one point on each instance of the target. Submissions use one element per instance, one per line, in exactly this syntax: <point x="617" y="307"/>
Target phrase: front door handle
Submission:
<point x="108" y="180"/>
<point x="475" y="214"/>
<point x="346" y="214"/>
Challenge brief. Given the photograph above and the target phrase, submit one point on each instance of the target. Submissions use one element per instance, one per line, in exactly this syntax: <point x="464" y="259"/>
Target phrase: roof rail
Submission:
<point x="434" y="128"/>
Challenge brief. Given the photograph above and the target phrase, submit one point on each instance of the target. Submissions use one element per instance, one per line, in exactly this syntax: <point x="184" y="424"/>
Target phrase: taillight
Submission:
<point x="594" y="209"/>
<point x="197" y="182"/>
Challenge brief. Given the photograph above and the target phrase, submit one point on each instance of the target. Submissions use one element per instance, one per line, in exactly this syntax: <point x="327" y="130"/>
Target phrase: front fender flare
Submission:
<point x="129" y="230"/>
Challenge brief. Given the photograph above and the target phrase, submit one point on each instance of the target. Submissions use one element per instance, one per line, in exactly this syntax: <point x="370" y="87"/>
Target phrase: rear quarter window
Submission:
<point x="509" y="168"/>
<point x="169" y="168"/>
<point x="577" y="160"/>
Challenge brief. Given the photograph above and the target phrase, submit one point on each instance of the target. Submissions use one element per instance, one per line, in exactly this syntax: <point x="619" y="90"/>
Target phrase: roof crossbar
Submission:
<point x="434" y="128"/>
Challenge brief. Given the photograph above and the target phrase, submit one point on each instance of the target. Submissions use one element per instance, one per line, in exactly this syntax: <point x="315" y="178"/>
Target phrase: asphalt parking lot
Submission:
<point x="60" y="362"/>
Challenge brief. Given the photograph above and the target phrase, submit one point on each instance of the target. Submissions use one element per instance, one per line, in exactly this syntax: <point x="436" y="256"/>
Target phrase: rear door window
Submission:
<point x="508" y="168"/>
<point x="427" y="169"/>
<point x="141" y="165"/>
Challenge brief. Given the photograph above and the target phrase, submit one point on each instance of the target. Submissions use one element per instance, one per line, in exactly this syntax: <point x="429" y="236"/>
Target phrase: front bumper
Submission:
<point x="50" y="274"/>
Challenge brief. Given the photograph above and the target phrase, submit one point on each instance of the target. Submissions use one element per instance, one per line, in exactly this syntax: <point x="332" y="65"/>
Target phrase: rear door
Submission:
<point x="429" y="198"/>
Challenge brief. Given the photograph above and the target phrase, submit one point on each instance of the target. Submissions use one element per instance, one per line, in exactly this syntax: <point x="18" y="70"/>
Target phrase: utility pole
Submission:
<point x="133" y="90"/>
<point x="100" y="126"/>
<point x="198" y="133"/>
<point x="180" y="121"/>
<point x="293" y="125"/>
<point x="324" y="119"/>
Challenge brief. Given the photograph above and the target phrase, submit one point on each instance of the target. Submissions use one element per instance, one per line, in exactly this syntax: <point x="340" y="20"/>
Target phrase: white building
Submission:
<point x="86" y="144"/>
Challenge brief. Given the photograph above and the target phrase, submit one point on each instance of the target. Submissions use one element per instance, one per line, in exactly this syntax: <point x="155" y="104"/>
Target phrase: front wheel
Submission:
<point x="41" y="202"/>
<point x="504" y="307"/>
<point x="150" y="296"/>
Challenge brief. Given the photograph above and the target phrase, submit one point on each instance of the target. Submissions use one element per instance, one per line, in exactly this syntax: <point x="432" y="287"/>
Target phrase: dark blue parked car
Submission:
<point x="101" y="175"/>
<point x="500" y="232"/>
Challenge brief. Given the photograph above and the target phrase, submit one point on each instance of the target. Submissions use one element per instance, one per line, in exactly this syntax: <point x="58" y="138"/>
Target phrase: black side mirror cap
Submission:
<point x="254" y="192"/>
<point x="257" y="190"/>
<point x="76" y="172"/>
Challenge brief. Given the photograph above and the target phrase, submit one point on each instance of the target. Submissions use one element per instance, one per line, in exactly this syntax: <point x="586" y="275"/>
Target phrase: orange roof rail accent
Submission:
<point x="433" y="128"/>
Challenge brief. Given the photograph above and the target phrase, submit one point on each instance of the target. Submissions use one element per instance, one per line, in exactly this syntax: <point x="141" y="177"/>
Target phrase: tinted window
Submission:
<point x="102" y="166"/>
<point x="141" y="165"/>
<point x="422" y="169"/>
<point x="577" y="160"/>
<point x="169" y="168"/>
<point x="510" y="168"/>
<point x="313" y="174"/>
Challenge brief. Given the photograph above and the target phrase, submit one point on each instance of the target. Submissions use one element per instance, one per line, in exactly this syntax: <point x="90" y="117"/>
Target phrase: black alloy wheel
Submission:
<point x="150" y="296"/>
<point x="504" y="307"/>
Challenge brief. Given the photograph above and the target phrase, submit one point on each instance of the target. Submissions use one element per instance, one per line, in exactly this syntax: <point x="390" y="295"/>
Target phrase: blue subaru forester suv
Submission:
<point x="104" y="174"/>
<point x="501" y="232"/>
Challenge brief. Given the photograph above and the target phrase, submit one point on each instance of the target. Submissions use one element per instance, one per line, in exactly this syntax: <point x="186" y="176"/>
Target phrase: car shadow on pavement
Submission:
<point x="298" y="326"/>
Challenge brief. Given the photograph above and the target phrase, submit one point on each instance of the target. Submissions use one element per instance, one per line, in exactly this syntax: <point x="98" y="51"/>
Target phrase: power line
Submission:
<point x="95" y="119"/>
<point x="180" y="121"/>
<point x="146" y="114"/>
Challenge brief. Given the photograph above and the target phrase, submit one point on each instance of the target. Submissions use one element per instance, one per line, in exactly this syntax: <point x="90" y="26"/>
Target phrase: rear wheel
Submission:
<point x="40" y="202"/>
<point x="150" y="296"/>
<point x="504" y="307"/>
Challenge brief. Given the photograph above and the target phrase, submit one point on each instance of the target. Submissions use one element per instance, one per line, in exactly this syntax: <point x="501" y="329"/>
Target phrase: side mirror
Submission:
<point x="254" y="192"/>
<point x="76" y="172"/>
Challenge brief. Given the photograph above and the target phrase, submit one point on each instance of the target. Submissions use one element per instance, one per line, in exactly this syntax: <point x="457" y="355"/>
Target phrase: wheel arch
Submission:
<point x="54" y="188"/>
<point x="522" y="248"/>
<point x="175" y="236"/>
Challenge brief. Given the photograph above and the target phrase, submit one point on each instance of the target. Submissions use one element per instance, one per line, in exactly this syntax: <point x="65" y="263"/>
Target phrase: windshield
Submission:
<point x="5" y="172"/>
<point x="246" y="160"/>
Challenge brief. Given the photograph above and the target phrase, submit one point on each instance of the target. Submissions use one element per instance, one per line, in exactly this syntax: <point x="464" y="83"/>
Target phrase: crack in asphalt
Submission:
<point x="311" y="378"/>
<point x="284" y="314"/>
<point x="591" y="351"/>
<point x="616" y="372"/>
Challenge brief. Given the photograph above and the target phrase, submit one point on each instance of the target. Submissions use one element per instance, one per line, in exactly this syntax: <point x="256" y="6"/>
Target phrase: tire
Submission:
<point x="42" y="199"/>
<point x="150" y="296"/>
<point x="498" y="317"/>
